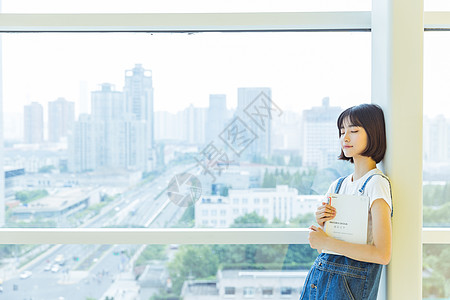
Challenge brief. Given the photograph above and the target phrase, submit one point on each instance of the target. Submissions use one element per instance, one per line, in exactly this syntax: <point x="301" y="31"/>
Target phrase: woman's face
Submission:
<point x="353" y="139"/>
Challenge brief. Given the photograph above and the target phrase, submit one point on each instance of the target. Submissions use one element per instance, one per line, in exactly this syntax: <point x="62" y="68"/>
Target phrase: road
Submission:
<point x="89" y="270"/>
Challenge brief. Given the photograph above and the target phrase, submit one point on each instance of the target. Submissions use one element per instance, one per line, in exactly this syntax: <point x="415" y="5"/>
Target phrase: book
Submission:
<point x="351" y="220"/>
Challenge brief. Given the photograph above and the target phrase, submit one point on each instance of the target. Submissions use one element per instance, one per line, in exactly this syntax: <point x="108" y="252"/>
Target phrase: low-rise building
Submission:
<point x="12" y="180"/>
<point x="281" y="203"/>
<point x="58" y="205"/>
<point x="248" y="284"/>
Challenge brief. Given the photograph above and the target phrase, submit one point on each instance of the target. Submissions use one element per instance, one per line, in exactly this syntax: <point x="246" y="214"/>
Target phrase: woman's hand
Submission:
<point x="325" y="213"/>
<point x="317" y="238"/>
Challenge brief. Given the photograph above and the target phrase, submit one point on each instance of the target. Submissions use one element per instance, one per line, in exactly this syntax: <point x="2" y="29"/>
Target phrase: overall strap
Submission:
<point x="338" y="186"/>
<point x="361" y="190"/>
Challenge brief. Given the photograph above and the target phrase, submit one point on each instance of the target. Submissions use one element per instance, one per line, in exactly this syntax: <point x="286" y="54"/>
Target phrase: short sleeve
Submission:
<point x="332" y="187"/>
<point x="379" y="188"/>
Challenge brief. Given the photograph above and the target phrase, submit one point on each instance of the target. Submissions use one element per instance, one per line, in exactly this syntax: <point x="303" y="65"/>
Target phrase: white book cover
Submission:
<point x="351" y="221"/>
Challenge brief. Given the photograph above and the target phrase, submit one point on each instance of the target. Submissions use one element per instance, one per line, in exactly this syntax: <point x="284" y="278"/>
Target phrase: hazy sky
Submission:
<point x="301" y="68"/>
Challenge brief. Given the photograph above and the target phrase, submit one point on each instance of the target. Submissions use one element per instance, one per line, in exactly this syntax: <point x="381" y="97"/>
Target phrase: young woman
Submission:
<point x="356" y="273"/>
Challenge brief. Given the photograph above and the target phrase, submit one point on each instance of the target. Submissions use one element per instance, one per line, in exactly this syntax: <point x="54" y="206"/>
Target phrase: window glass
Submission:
<point x="436" y="5"/>
<point x="180" y="6"/>
<point x="160" y="271"/>
<point x="436" y="272"/>
<point x="436" y="131"/>
<point x="165" y="130"/>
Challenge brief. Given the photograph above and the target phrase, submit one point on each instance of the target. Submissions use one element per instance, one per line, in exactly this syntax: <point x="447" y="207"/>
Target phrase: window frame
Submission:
<point x="383" y="32"/>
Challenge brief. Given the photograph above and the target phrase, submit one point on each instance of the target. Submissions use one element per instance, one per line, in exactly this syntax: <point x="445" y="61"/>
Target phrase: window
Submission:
<point x="436" y="160"/>
<point x="249" y="292"/>
<point x="230" y="290"/>
<point x="435" y="271"/>
<point x="117" y="211"/>
<point x="286" y="291"/>
<point x="267" y="292"/>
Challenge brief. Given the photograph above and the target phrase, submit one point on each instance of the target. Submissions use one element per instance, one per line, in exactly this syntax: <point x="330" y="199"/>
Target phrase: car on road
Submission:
<point x="25" y="274"/>
<point x="60" y="260"/>
<point x="55" y="268"/>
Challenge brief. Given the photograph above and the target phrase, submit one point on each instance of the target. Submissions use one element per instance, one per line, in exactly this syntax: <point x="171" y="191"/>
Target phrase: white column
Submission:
<point x="397" y="85"/>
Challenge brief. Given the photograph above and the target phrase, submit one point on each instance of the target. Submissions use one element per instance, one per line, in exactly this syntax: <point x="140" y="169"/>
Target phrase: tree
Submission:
<point x="269" y="180"/>
<point x="192" y="262"/>
<point x="437" y="216"/>
<point x="46" y="169"/>
<point x="299" y="256"/>
<point x="436" y="195"/>
<point x="28" y="196"/>
<point x="250" y="220"/>
<point x="295" y="161"/>
<point x="303" y="220"/>
<point x="187" y="220"/>
<point x="151" y="252"/>
<point x="436" y="264"/>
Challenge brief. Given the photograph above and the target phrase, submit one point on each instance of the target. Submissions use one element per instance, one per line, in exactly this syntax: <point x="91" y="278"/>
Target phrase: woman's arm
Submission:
<point x="379" y="253"/>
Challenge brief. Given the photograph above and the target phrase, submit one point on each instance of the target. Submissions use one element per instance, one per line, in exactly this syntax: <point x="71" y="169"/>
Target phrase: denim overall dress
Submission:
<point x="336" y="277"/>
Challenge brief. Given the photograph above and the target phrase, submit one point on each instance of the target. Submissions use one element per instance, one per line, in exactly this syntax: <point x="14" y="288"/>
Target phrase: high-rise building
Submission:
<point x="110" y="137"/>
<point x="250" y="99"/>
<point x="61" y="117"/>
<point x="216" y="116"/>
<point x="286" y="132"/>
<point x="33" y="123"/>
<point x="125" y="144"/>
<point x="138" y="92"/>
<point x="320" y="135"/>
<point x="86" y="145"/>
<point x="107" y="104"/>
<point x="193" y="126"/>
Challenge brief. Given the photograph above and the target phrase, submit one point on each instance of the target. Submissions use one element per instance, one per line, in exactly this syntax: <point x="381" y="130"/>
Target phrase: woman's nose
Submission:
<point x="345" y="137"/>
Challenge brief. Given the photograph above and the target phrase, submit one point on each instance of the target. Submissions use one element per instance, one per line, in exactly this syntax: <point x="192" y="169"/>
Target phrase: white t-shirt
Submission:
<point x="376" y="188"/>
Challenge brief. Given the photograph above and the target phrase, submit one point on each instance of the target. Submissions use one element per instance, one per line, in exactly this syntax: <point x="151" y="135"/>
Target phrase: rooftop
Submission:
<point x="59" y="201"/>
<point x="200" y="287"/>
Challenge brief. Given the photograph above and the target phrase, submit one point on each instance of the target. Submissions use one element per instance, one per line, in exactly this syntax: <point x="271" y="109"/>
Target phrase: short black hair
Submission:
<point x="371" y="118"/>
